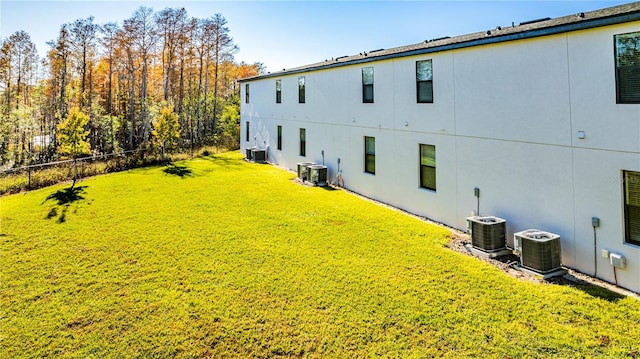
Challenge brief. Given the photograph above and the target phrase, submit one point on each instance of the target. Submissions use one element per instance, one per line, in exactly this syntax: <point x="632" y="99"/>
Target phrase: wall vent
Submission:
<point x="539" y="251"/>
<point x="487" y="233"/>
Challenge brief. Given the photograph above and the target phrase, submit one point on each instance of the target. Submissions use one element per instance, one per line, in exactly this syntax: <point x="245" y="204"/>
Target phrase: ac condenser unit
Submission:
<point x="249" y="153"/>
<point x="317" y="174"/>
<point x="539" y="251"/>
<point x="487" y="233"/>
<point x="303" y="170"/>
<point x="258" y="156"/>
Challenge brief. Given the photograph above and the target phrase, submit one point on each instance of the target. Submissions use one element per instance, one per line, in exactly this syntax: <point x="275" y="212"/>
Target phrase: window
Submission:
<point x="278" y="91"/>
<point x="428" y="167"/>
<point x="632" y="207"/>
<point x="424" y="81"/>
<point x="367" y="85"/>
<point x="279" y="138"/>
<point x="370" y="155"/>
<point x="627" y="52"/>
<point x="246" y="130"/>
<point x="246" y="93"/>
<point x="301" y="89"/>
<point x="303" y="142"/>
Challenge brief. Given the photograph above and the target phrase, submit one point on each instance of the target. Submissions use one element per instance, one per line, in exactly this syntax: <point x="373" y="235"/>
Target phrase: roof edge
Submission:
<point x="526" y="34"/>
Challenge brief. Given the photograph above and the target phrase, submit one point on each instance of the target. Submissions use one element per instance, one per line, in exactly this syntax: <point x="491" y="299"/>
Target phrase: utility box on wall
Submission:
<point x="617" y="260"/>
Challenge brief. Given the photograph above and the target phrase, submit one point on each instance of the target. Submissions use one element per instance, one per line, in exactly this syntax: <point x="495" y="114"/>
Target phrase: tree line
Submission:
<point x="128" y="79"/>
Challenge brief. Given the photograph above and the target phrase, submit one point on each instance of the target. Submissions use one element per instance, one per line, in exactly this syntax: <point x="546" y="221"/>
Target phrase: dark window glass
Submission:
<point x="370" y="155"/>
<point x="627" y="52"/>
<point x="246" y="130"/>
<point x="424" y="81"/>
<point x="278" y="91"/>
<point x="367" y="85"/>
<point x="428" y="167"/>
<point x="280" y="137"/>
<point x="303" y="142"/>
<point x="301" y="89"/>
<point x="632" y="207"/>
<point x="246" y="93"/>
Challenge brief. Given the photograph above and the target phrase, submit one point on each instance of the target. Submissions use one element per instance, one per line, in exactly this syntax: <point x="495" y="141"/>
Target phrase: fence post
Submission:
<point x="29" y="180"/>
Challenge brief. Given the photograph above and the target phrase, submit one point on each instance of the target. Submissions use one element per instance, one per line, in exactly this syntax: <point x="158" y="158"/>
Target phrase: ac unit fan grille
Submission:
<point x="541" y="256"/>
<point x="258" y="155"/>
<point x="488" y="237"/>
<point x="317" y="173"/>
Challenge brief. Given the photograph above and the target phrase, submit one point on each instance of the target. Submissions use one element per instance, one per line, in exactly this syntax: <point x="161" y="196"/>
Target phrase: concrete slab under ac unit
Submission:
<point x="554" y="273"/>
<point x="492" y="254"/>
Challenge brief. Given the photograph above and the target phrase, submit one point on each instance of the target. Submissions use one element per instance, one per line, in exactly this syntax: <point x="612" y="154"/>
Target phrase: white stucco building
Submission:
<point x="543" y="117"/>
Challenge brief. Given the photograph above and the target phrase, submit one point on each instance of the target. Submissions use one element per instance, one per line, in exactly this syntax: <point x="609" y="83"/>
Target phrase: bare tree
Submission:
<point x="5" y="75"/>
<point x="83" y="34"/>
<point x="143" y="34"/>
<point x="203" y="37"/>
<point x="21" y="57"/>
<point x="58" y="66"/>
<point x="223" y="50"/>
<point x="109" y="31"/>
<point x="18" y="61"/>
<point x="126" y="47"/>
<point x="172" y="25"/>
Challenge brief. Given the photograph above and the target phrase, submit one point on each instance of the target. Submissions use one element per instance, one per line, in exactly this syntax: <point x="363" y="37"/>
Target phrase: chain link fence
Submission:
<point x="31" y="177"/>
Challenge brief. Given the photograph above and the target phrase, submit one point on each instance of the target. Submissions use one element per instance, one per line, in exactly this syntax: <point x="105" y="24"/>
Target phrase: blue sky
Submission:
<point x="284" y="34"/>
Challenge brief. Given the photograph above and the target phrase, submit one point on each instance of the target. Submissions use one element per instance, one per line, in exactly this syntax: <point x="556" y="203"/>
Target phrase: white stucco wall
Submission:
<point x="505" y="119"/>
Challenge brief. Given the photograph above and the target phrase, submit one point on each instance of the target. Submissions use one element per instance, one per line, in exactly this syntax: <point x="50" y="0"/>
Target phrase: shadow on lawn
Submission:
<point x="64" y="198"/>
<point x="181" y="171"/>
<point x="569" y="280"/>
<point x="329" y="188"/>
<point x="223" y="161"/>
<point x="589" y="288"/>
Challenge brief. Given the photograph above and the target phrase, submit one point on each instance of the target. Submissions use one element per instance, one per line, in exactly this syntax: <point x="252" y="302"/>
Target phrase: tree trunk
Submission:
<point x="109" y="84"/>
<point x="63" y="85"/>
<point x="215" y="96"/>
<point x="206" y="96"/>
<point x="84" y="76"/>
<point x="131" y="110"/>
<point x="199" y="96"/>
<point x="146" y="126"/>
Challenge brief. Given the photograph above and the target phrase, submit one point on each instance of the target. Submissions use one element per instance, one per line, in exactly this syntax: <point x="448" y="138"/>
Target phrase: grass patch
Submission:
<point x="236" y="260"/>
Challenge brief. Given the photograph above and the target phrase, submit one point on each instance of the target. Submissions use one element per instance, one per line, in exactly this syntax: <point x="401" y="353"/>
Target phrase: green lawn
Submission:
<point x="221" y="258"/>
